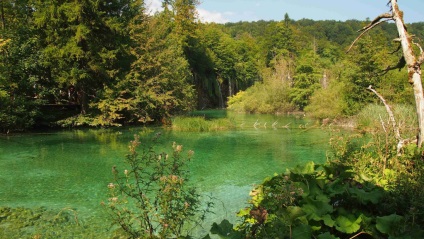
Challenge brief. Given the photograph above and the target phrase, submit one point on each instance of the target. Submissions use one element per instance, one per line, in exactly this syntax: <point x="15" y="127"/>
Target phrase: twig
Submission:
<point x="256" y="124"/>
<point x="378" y="20"/>
<point x="399" y="46"/>
<point x="389" y="112"/>
<point x="401" y="64"/>
<point x="382" y="124"/>
<point x="358" y="235"/>
<point x="421" y="57"/>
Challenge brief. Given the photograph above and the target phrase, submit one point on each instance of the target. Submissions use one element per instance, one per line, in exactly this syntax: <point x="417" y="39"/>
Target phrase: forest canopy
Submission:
<point x="105" y="63"/>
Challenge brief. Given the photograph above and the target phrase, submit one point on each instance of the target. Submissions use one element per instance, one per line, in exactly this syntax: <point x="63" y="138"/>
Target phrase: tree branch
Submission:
<point x="421" y="57"/>
<point x="380" y="19"/>
<point x="401" y="64"/>
<point x="389" y="112"/>
<point x="377" y="20"/>
<point x="399" y="46"/>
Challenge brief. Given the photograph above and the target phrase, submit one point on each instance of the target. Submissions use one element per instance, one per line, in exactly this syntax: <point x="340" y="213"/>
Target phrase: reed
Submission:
<point x="372" y="116"/>
<point x="200" y="124"/>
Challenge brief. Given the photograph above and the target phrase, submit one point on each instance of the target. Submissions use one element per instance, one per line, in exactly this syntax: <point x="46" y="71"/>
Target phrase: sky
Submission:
<point x="222" y="11"/>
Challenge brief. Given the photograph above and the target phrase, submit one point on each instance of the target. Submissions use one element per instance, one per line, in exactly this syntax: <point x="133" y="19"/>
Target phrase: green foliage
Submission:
<point x="369" y="187"/>
<point x="270" y="96"/>
<point x="151" y="199"/>
<point x="200" y="124"/>
<point x="323" y="201"/>
<point x="128" y="67"/>
<point x="370" y="118"/>
<point x="333" y="106"/>
<point x="261" y="98"/>
<point x="157" y="84"/>
<point x="16" y="113"/>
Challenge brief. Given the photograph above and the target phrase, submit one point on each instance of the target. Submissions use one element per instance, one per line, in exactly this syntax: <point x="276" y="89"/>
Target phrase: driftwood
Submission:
<point x="408" y="59"/>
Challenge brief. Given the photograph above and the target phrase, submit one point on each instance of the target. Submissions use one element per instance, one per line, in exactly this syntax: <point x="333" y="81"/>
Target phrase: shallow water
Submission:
<point x="71" y="169"/>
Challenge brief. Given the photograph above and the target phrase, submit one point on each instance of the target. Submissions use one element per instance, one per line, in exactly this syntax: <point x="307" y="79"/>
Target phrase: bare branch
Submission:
<point x="365" y="30"/>
<point x="389" y="112"/>
<point x="421" y="57"/>
<point x="377" y="20"/>
<point x="399" y="46"/>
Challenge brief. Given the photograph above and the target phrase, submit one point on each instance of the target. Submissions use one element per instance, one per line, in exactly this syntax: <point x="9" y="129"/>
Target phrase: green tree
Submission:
<point x="306" y="80"/>
<point x="19" y="67"/>
<point x="158" y="83"/>
<point x="83" y="43"/>
<point x="279" y="40"/>
<point x="366" y="64"/>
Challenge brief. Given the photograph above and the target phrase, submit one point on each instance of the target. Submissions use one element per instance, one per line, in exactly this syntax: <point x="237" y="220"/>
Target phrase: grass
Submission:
<point x="200" y="124"/>
<point x="373" y="115"/>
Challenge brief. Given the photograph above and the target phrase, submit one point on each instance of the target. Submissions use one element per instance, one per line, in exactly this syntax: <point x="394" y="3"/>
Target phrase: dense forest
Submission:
<point x="106" y="63"/>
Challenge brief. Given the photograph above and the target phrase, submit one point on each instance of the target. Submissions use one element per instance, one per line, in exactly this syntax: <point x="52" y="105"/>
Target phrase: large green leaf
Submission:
<point x="315" y="209"/>
<point x="225" y="230"/>
<point x="308" y="168"/>
<point x="295" y="213"/>
<point x="348" y="224"/>
<point x="302" y="231"/>
<point x="388" y="224"/>
<point x="336" y="187"/>
<point x="328" y="221"/>
<point x="373" y="196"/>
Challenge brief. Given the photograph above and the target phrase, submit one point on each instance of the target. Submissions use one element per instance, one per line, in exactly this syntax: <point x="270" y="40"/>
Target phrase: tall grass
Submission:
<point x="200" y="124"/>
<point x="372" y="116"/>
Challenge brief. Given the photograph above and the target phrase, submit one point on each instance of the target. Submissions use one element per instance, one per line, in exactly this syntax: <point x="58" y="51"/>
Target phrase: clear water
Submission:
<point x="71" y="169"/>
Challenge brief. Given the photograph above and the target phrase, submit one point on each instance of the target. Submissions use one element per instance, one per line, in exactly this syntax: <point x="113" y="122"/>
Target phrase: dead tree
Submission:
<point x="410" y="60"/>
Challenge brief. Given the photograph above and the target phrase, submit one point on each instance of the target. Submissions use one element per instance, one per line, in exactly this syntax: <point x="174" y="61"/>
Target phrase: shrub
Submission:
<point x="262" y="98"/>
<point x="327" y="103"/>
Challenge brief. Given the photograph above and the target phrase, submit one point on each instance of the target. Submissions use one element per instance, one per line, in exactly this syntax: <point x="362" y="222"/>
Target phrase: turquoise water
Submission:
<point x="71" y="169"/>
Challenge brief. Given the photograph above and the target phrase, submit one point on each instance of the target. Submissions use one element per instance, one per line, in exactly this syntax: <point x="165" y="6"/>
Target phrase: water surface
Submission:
<point x="71" y="169"/>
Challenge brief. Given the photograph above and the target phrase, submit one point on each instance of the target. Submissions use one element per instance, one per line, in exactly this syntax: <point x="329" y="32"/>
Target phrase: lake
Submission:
<point x="72" y="168"/>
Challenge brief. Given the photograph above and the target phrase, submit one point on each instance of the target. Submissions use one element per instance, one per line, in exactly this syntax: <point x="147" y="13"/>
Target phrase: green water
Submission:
<point x="71" y="169"/>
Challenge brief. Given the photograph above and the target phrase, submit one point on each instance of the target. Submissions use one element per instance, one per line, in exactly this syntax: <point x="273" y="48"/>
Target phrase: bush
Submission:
<point x="262" y="98"/>
<point x="327" y="103"/>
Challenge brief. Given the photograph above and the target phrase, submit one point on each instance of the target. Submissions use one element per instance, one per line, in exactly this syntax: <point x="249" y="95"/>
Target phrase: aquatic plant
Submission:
<point x="150" y="198"/>
<point x="200" y="124"/>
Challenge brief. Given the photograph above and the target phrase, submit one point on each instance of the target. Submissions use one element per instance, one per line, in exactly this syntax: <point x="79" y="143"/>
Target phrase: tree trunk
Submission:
<point x="3" y="21"/>
<point x="414" y="68"/>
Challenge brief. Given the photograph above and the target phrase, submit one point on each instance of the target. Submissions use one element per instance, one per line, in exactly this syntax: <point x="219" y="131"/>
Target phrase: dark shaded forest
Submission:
<point x="109" y="63"/>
